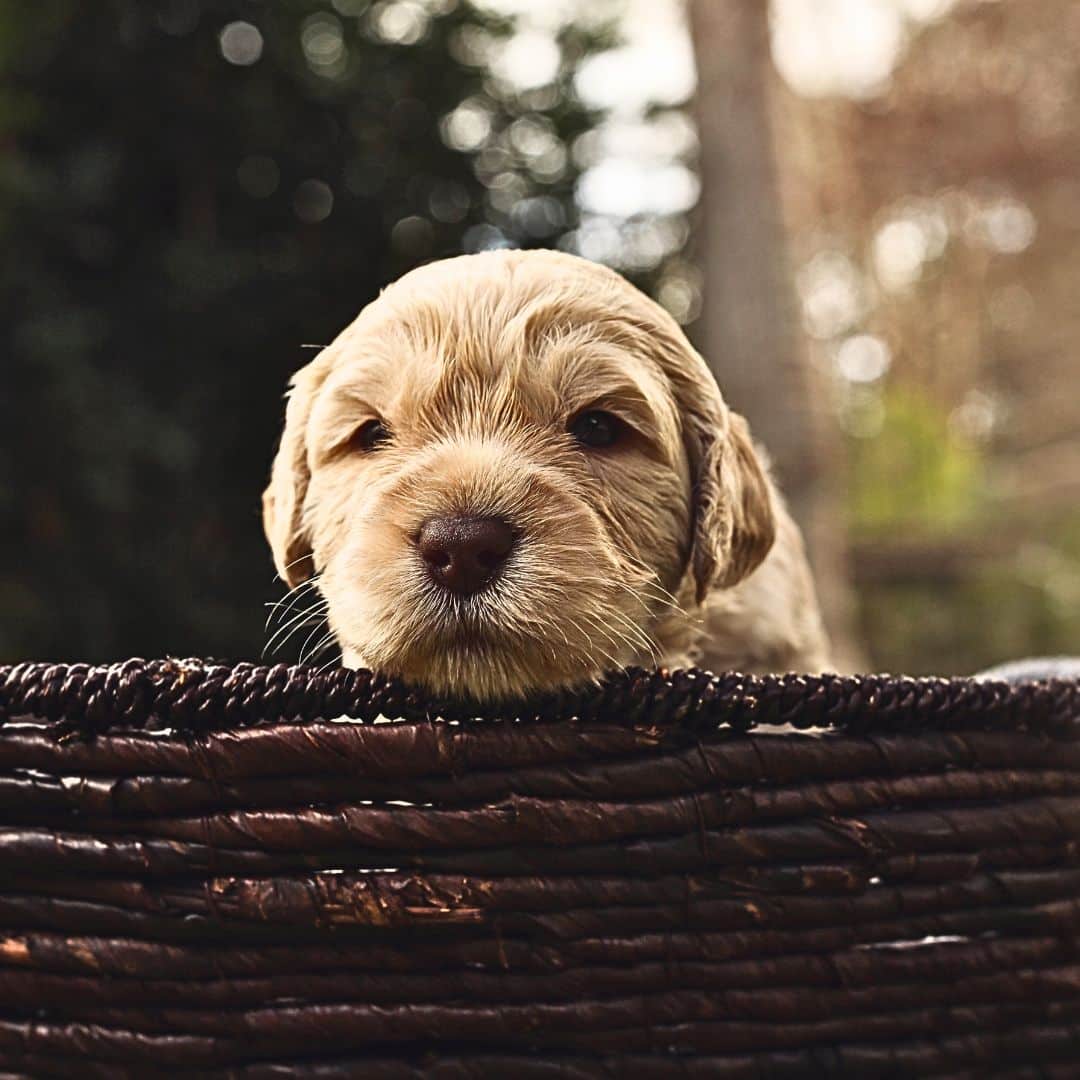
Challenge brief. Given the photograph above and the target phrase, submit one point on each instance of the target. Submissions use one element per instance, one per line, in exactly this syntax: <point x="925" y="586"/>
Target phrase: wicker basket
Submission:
<point x="200" y="874"/>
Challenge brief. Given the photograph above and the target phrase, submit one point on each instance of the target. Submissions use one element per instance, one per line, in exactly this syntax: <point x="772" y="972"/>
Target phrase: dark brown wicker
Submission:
<point x="201" y="874"/>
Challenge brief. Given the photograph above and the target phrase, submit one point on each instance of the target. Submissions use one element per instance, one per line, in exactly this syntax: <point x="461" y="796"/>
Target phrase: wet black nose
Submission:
<point x="464" y="553"/>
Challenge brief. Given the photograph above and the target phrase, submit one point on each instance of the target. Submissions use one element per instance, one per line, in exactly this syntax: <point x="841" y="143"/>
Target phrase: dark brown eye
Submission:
<point x="369" y="436"/>
<point x="596" y="429"/>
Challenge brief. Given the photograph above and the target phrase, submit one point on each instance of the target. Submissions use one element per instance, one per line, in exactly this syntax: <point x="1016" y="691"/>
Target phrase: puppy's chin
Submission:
<point x="521" y="636"/>
<point x="485" y="674"/>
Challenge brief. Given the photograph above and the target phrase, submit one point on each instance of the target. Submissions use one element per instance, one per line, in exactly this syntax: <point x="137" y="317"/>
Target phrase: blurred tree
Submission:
<point x="191" y="190"/>
<point x="750" y="319"/>
<point x="933" y="219"/>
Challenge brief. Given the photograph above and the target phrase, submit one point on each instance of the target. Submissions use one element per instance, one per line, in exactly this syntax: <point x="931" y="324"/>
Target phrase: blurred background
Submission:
<point x="866" y="213"/>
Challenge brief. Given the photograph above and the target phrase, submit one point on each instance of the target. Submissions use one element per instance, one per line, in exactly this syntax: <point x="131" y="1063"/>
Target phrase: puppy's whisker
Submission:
<point x="630" y="630"/>
<point x="327" y="642"/>
<point x="586" y="637"/>
<point x="648" y="576"/>
<point x="562" y="634"/>
<point x="323" y="644"/>
<point x="318" y="629"/>
<point x="308" y="584"/>
<point x="647" y="602"/>
<point x="279" y="647"/>
<point x="593" y="646"/>
<point x="286" y="603"/>
<point x="619" y="636"/>
<point x="295" y="562"/>
<point x="636" y="630"/>
<point x="283" y="633"/>
<point x="317" y="608"/>
<point x="638" y="600"/>
<point x="651" y="581"/>
<point x="636" y="634"/>
<point x="293" y="594"/>
<point x="334" y="660"/>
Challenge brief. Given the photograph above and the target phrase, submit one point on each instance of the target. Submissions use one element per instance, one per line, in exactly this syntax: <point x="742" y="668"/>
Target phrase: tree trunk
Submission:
<point x="750" y="327"/>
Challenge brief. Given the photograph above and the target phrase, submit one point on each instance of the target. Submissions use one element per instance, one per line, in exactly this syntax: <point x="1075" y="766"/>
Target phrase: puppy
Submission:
<point x="512" y="473"/>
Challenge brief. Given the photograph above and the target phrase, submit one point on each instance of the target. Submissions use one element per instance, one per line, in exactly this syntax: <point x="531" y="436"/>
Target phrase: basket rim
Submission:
<point x="192" y="696"/>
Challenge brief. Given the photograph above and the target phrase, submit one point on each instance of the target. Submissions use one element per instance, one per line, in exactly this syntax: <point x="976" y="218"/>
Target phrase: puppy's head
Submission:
<point x="502" y="470"/>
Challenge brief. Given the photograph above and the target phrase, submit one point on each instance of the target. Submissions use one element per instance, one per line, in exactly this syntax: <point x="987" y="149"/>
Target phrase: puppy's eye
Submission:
<point x="369" y="436"/>
<point x="596" y="429"/>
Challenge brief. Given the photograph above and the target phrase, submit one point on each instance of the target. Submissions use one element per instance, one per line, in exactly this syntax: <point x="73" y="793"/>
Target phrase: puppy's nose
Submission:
<point x="464" y="553"/>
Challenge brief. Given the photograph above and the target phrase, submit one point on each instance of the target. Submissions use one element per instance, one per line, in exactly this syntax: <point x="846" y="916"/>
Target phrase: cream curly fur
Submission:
<point x="671" y="547"/>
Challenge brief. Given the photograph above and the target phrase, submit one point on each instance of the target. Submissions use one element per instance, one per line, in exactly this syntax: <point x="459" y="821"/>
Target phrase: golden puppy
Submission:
<point x="512" y="472"/>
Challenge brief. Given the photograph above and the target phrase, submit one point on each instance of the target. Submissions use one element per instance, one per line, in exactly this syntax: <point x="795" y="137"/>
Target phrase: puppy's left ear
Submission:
<point x="734" y="519"/>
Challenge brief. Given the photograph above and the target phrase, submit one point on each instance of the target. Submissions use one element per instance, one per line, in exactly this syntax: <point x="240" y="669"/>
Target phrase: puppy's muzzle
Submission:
<point x="464" y="554"/>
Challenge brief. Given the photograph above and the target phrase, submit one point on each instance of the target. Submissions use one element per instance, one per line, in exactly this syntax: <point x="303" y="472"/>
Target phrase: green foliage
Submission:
<point x="920" y="488"/>
<point x="915" y="472"/>
<point x="171" y="244"/>
<point x="1022" y="603"/>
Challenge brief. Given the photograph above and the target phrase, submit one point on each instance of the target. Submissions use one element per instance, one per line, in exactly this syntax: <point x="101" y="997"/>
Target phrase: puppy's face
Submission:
<point x="502" y="470"/>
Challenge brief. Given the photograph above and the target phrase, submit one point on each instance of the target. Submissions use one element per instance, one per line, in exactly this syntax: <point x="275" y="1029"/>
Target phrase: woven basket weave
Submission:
<point x="200" y="874"/>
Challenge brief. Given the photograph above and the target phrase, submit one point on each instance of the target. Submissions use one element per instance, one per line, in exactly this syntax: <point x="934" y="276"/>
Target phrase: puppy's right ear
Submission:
<point x="283" y="499"/>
